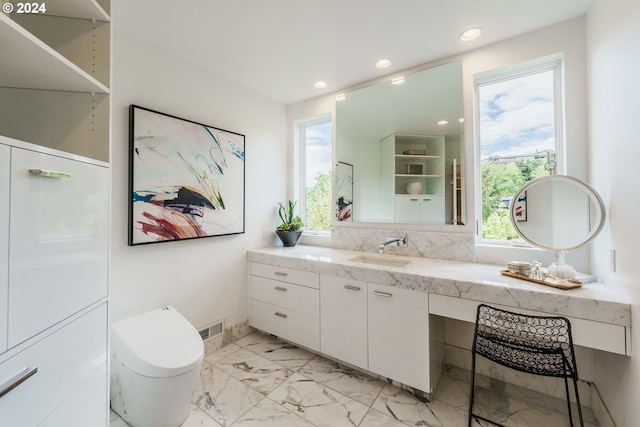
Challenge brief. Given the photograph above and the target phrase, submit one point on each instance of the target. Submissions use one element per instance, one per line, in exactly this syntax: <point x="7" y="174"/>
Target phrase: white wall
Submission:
<point x="205" y="279"/>
<point x="614" y="106"/>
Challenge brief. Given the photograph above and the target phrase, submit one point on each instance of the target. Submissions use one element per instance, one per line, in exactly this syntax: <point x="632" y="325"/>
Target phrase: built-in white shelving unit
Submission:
<point x="54" y="116"/>
<point x="418" y="160"/>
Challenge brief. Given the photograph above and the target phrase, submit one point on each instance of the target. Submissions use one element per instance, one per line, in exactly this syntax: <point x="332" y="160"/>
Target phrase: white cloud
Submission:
<point x="517" y="116"/>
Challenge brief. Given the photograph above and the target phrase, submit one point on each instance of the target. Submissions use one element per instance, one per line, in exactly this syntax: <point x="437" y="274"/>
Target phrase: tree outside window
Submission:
<point x="317" y="152"/>
<point x="517" y="129"/>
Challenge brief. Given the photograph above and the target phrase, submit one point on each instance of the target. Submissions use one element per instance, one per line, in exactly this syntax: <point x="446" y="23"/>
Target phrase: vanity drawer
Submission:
<point x="287" y="324"/>
<point x="64" y="359"/>
<point x="586" y="333"/>
<point x="286" y="295"/>
<point x="283" y="274"/>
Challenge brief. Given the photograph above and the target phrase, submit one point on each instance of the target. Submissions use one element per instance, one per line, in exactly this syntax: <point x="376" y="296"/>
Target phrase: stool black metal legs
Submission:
<point x="538" y="345"/>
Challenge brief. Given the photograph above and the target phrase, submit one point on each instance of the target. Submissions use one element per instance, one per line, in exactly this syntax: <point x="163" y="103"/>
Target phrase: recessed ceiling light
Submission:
<point x="470" y="34"/>
<point x="383" y="63"/>
<point x="443" y="122"/>
<point x="461" y="120"/>
<point x="341" y="97"/>
<point x="320" y="84"/>
<point x="397" y="80"/>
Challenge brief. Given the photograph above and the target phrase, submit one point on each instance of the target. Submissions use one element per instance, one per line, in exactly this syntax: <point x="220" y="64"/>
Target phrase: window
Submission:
<point x="315" y="153"/>
<point x="519" y="132"/>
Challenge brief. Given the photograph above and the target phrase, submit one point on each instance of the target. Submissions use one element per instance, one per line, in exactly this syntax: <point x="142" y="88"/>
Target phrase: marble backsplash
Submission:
<point x="427" y="244"/>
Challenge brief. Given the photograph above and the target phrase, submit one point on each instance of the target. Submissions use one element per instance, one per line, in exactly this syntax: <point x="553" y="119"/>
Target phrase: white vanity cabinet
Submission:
<point x="285" y="302"/>
<point x="343" y="319"/>
<point x="398" y="333"/>
<point x="382" y="329"/>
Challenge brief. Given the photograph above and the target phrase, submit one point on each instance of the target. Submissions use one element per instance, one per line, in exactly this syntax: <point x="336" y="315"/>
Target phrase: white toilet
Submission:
<point x="155" y="363"/>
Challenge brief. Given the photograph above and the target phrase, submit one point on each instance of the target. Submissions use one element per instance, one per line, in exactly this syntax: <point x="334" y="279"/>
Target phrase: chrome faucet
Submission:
<point x="399" y="241"/>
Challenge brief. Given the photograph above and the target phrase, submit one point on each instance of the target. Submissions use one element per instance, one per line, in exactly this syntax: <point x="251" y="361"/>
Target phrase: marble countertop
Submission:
<point x="480" y="282"/>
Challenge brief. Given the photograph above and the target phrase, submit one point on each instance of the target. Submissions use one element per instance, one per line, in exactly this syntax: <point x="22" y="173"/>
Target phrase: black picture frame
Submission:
<point x="186" y="179"/>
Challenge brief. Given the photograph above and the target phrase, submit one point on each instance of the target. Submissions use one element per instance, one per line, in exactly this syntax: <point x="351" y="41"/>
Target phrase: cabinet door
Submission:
<point x="343" y="319"/>
<point x="432" y="209"/>
<point x="407" y="208"/>
<point x="65" y="360"/>
<point x="5" y="169"/>
<point x="58" y="241"/>
<point x="399" y="334"/>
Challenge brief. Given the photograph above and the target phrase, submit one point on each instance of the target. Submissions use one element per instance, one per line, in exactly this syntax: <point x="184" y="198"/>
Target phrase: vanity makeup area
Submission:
<point x="386" y="313"/>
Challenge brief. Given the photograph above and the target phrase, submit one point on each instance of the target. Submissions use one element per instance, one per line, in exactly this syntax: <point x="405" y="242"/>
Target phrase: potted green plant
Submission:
<point x="289" y="231"/>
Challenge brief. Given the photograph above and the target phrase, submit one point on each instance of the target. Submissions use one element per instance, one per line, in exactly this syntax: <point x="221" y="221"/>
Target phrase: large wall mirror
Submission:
<point x="404" y="139"/>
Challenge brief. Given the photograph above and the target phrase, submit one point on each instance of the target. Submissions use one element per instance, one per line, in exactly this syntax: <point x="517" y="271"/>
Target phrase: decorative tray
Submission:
<point x="549" y="281"/>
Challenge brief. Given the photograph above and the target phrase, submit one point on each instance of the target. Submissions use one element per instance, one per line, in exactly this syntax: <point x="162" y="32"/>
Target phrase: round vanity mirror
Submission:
<point x="557" y="212"/>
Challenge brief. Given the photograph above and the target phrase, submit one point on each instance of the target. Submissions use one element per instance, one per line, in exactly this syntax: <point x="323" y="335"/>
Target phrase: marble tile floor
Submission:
<point x="264" y="382"/>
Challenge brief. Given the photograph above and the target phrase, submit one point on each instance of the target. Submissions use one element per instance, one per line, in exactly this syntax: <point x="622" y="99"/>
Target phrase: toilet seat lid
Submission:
<point x="159" y="343"/>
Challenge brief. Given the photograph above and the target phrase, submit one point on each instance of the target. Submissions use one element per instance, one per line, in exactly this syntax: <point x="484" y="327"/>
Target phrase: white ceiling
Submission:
<point x="279" y="48"/>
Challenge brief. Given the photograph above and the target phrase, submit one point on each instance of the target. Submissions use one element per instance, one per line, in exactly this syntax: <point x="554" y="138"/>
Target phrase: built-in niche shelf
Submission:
<point x="415" y="158"/>
<point x="83" y="9"/>
<point x="29" y="63"/>
<point x="55" y="77"/>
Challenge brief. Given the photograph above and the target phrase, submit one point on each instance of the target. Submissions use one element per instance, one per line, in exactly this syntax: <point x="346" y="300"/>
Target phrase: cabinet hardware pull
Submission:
<point x="352" y="288"/>
<point x="280" y="273"/>
<point x="382" y="294"/>
<point x="280" y="288"/>
<point x="413" y="200"/>
<point x="18" y="379"/>
<point x="51" y="174"/>
<point x="426" y="200"/>
<point x="277" y="313"/>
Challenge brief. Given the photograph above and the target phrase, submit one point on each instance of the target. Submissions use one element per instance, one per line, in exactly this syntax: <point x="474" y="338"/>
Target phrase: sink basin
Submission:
<point x="387" y="262"/>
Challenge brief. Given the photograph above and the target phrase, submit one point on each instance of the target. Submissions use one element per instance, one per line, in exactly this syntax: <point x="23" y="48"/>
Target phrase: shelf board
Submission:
<point x="416" y="156"/>
<point x="421" y="194"/>
<point x="83" y="9"/>
<point x="29" y="63"/>
<point x="410" y="175"/>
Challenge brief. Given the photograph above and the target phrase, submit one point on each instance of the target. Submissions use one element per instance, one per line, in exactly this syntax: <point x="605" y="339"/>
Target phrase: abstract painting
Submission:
<point x="520" y="208"/>
<point x="186" y="179"/>
<point x="344" y="192"/>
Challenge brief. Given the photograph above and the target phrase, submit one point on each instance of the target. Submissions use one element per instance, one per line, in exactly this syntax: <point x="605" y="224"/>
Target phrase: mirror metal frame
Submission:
<point x="590" y="191"/>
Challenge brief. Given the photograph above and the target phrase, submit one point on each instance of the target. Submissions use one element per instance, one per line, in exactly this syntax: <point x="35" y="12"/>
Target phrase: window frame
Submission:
<point x="553" y="63"/>
<point x="300" y="175"/>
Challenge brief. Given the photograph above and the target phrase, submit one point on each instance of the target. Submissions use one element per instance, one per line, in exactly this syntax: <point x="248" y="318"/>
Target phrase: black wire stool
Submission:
<point x="534" y="344"/>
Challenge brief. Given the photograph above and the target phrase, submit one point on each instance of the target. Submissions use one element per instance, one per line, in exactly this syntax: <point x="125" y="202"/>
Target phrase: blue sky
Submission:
<point x="517" y="116"/>
<point x="318" y="155"/>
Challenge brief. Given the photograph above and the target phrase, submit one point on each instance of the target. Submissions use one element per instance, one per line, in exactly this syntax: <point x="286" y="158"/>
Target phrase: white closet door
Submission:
<point x="58" y="240"/>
